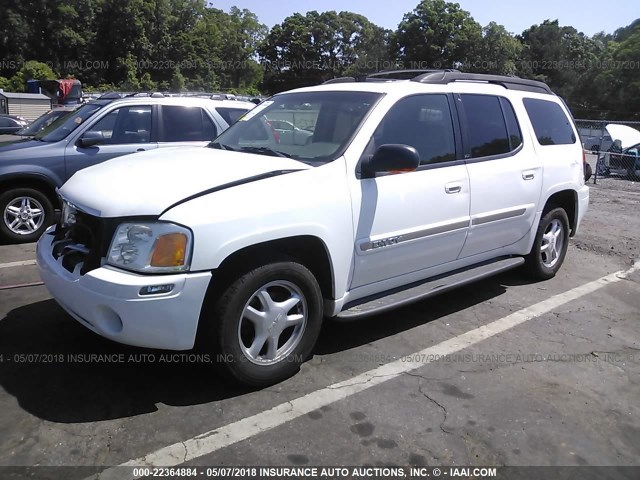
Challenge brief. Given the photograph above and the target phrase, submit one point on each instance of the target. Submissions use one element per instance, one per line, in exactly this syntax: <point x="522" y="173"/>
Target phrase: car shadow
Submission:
<point x="47" y="362"/>
<point x="47" y="365"/>
<point x="337" y="336"/>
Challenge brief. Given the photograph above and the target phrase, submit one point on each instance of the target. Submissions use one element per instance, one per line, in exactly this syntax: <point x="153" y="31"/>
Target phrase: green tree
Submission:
<point x="306" y="50"/>
<point x="437" y="34"/>
<point x="178" y="82"/>
<point x="499" y="52"/>
<point x="146" y="83"/>
<point x="31" y="70"/>
<point x="624" y="72"/>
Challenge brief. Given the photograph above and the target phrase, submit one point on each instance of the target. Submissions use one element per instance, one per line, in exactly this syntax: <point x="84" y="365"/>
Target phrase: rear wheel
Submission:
<point x="26" y="213"/>
<point x="550" y="245"/>
<point x="265" y="324"/>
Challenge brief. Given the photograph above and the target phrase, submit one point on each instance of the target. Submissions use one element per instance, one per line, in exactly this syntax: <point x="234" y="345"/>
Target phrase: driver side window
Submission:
<point x="125" y="125"/>
<point x="420" y="121"/>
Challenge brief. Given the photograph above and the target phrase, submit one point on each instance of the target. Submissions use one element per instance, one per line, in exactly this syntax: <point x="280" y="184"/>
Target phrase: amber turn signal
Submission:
<point x="169" y="250"/>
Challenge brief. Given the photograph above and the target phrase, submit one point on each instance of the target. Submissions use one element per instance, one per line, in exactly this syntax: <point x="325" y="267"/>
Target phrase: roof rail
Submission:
<point x="387" y="75"/>
<point x="405" y="74"/>
<point x="446" y="76"/>
<point x="511" y="83"/>
<point x="109" y="96"/>
<point x="146" y="94"/>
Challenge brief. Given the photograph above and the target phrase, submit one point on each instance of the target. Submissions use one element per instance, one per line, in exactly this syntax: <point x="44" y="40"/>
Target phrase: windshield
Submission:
<point x="42" y="122"/>
<point x="63" y="126"/>
<point x="313" y="127"/>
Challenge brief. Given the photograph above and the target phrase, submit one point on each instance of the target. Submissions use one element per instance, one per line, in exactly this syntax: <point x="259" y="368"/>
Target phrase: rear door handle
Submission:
<point x="528" y="175"/>
<point x="453" y="187"/>
<point x="140" y="150"/>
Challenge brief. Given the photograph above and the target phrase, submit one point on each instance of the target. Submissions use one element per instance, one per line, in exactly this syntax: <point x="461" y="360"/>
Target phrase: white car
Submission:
<point x="407" y="188"/>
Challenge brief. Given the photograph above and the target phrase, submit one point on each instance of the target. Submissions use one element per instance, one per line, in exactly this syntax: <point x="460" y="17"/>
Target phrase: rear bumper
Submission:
<point x="583" y="206"/>
<point x="108" y="301"/>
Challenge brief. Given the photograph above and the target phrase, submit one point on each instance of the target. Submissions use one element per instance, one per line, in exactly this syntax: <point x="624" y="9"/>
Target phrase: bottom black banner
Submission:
<point x="320" y="472"/>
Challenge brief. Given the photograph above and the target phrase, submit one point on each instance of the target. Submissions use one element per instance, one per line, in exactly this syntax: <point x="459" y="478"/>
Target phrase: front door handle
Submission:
<point x="454" y="187"/>
<point x="528" y="175"/>
<point x="140" y="150"/>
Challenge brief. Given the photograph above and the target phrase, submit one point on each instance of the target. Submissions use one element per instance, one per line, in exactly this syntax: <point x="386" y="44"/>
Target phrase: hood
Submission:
<point x="628" y="136"/>
<point x="4" y="139"/>
<point x="6" y="147"/>
<point x="148" y="183"/>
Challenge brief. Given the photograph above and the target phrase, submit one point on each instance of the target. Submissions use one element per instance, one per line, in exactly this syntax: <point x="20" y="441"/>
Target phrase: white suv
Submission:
<point x="404" y="189"/>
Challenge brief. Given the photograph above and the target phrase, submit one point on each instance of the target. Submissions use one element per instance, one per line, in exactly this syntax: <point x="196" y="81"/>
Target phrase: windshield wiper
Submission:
<point x="221" y="146"/>
<point x="265" y="151"/>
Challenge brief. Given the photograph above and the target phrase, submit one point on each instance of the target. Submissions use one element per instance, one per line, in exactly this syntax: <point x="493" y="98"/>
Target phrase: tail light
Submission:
<point x="276" y="135"/>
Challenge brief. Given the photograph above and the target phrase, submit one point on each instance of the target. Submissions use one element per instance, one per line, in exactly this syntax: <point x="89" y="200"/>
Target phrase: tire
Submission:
<point x="26" y="213"/>
<point x="547" y="254"/>
<point x="247" y="329"/>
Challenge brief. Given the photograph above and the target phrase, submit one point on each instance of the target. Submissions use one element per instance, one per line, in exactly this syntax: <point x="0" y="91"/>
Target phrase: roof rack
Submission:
<point x="386" y="76"/>
<point x="508" y="82"/>
<point x="443" y="77"/>
<point x="109" y="96"/>
<point x="145" y="94"/>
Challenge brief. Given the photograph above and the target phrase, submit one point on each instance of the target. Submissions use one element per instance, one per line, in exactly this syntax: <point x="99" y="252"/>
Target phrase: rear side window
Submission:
<point x="487" y="131"/>
<point x="186" y="124"/>
<point x="551" y="125"/>
<point x="231" y="115"/>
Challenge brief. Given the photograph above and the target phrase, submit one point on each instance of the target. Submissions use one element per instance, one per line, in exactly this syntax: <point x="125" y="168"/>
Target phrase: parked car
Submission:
<point x="627" y="163"/>
<point x="593" y="139"/>
<point x="290" y="133"/>
<point x="407" y="188"/>
<point x="31" y="170"/>
<point x="38" y="124"/>
<point x="620" y="161"/>
<point x="11" y="123"/>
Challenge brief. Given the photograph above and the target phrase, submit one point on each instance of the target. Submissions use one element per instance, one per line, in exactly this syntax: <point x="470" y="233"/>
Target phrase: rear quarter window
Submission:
<point x="550" y="124"/>
<point x="231" y="115"/>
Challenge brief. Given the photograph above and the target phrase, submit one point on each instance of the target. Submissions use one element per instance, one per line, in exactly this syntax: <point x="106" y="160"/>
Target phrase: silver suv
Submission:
<point x="31" y="170"/>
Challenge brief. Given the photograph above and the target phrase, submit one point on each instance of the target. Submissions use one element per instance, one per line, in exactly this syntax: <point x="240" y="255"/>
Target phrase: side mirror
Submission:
<point x="395" y="158"/>
<point x="91" y="138"/>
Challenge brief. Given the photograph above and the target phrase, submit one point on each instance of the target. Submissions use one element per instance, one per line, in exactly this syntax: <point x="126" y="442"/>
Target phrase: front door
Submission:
<point x="121" y="131"/>
<point x="412" y="221"/>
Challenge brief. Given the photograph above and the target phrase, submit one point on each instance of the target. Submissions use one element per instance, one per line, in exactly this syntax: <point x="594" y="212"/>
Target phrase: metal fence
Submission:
<point x="613" y="150"/>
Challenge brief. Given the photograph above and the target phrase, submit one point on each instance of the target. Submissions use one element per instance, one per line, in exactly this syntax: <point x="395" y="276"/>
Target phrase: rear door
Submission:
<point x="122" y="130"/>
<point x="505" y="174"/>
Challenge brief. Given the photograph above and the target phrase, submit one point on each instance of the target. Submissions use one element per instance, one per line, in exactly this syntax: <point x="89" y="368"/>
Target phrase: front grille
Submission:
<point x="85" y="242"/>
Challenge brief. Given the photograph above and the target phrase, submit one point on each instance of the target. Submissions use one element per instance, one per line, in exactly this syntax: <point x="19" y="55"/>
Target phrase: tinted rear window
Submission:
<point x="231" y="115"/>
<point x="487" y="129"/>
<point x="187" y="124"/>
<point x="551" y="125"/>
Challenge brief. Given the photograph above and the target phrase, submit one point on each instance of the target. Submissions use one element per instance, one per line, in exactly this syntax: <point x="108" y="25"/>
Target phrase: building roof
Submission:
<point x="24" y="96"/>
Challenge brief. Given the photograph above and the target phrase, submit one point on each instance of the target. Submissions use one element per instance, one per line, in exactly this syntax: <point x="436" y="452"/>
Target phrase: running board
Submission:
<point x="428" y="288"/>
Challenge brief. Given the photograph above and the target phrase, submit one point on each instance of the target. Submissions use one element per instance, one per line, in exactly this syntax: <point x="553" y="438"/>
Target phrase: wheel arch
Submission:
<point x="309" y="250"/>
<point x="566" y="199"/>
<point x="31" y="180"/>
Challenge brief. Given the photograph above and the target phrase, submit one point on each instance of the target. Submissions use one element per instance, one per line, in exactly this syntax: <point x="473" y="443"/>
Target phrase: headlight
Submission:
<point x="151" y="247"/>
<point x="68" y="216"/>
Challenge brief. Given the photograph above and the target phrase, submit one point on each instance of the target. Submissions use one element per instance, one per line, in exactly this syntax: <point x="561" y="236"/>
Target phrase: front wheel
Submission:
<point x="26" y="213"/>
<point x="550" y="245"/>
<point x="266" y="323"/>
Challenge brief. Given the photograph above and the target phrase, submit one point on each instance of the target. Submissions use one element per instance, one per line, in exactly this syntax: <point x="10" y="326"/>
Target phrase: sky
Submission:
<point x="588" y="16"/>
